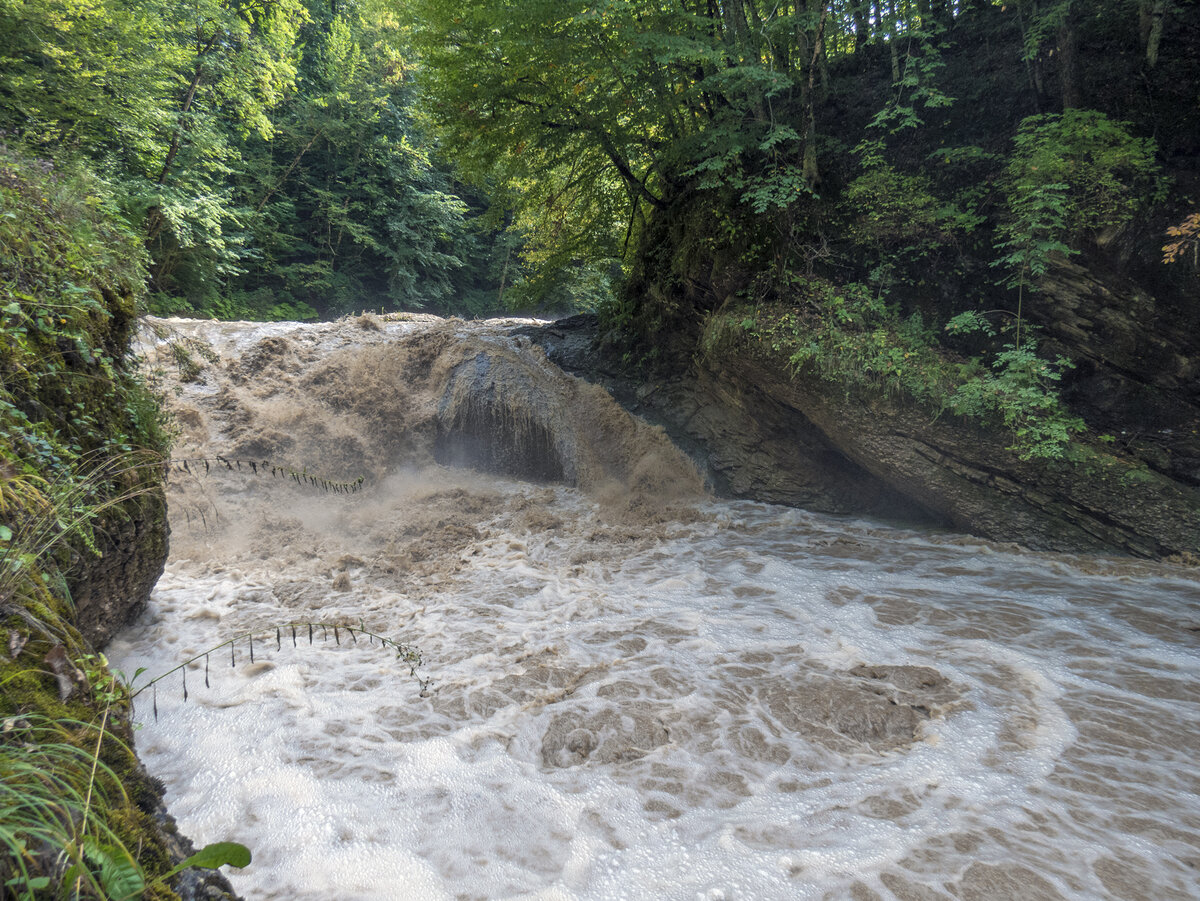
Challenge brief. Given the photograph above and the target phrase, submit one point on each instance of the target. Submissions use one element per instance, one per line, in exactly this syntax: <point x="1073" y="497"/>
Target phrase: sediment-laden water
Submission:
<point x="629" y="690"/>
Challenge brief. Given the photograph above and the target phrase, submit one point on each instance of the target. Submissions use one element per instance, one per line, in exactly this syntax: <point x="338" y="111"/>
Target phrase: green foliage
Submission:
<point x="350" y="208"/>
<point x="1073" y="175"/>
<point x="82" y="440"/>
<point x="900" y="217"/>
<point x="915" y="86"/>
<point x="210" y="857"/>
<point x="849" y="335"/>
<point x="71" y="273"/>
<point x="1038" y="221"/>
<point x="51" y="790"/>
<point x="265" y="153"/>
<point x="56" y="791"/>
<point x="584" y="116"/>
<point x="1018" y="389"/>
<point x="1070" y="177"/>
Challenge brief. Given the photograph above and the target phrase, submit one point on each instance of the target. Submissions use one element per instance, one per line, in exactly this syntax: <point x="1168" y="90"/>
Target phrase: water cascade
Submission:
<point x="629" y="690"/>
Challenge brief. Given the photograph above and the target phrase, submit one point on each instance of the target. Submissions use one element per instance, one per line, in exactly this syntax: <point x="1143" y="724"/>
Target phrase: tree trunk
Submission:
<point x="177" y="137"/>
<point x="1068" y="62"/>
<point x="820" y="58"/>
<point x="295" y="162"/>
<point x="810" y="170"/>
<point x="1158" y="12"/>
<point x="1032" y="68"/>
<point x="861" y="32"/>
<point x="894" y="51"/>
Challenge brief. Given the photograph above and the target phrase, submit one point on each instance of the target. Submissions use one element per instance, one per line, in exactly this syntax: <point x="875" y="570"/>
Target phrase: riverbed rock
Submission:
<point x="744" y="443"/>
<point x="510" y="411"/>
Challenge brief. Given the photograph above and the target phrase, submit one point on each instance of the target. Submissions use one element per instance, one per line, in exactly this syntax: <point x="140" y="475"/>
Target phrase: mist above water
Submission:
<point x="636" y="691"/>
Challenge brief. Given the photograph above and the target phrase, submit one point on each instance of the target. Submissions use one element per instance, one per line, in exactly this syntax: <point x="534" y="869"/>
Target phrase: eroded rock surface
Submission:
<point x="758" y="432"/>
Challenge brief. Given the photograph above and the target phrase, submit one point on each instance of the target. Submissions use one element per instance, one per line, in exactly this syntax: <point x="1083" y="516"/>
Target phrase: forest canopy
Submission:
<point x="288" y="157"/>
<point x="266" y="151"/>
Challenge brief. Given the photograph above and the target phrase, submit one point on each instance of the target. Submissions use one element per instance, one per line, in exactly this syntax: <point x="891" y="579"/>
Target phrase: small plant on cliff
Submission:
<point x="849" y="335"/>
<point x="1018" y="389"/>
<point x="1103" y="174"/>
<point x="52" y="793"/>
<point x="39" y="515"/>
<point x="1071" y="177"/>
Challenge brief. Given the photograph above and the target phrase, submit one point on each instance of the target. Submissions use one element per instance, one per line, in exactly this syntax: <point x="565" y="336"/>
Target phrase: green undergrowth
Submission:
<point x="852" y="336"/>
<point x="82" y="446"/>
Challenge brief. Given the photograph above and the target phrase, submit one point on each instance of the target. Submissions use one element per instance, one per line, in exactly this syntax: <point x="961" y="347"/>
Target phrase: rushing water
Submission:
<point x="635" y="694"/>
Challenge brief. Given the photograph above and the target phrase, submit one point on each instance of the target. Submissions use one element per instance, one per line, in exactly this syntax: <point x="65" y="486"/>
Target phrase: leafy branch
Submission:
<point x="1187" y="235"/>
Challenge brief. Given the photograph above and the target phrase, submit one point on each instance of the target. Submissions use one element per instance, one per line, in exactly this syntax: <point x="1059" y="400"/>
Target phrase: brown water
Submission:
<point x="637" y="691"/>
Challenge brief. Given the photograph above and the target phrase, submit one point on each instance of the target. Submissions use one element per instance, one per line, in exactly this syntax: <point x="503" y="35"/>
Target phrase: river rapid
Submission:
<point x="629" y="690"/>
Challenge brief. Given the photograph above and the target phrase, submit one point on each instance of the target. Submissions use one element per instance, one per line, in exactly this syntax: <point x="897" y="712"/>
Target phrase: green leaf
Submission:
<point x="216" y="855"/>
<point x="5" y="533"/>
<point x="37" y="883"/>
<point x="120" y="875"/>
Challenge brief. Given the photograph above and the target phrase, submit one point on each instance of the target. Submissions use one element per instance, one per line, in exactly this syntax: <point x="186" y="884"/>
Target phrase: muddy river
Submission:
<point x="628" y="689"/>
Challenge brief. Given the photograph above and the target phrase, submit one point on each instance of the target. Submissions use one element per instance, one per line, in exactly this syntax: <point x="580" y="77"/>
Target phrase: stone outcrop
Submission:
<point x="1137" y="363"/>
<point x="744" y="442"/>
<point x="111" y="589"/>
<point x="758" y="432"/>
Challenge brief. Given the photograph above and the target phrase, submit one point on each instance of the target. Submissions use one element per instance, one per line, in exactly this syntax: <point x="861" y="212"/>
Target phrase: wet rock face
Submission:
<point x="490" y="419"/>
<point x="507" y="409"/>
<point x="111" y="589"/>
<point x="745" y="442"/>
<point x="760" y="433"/>
<point x="966" y="474"/>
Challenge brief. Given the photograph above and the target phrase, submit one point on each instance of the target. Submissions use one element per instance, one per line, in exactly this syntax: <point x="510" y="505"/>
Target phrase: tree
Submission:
<point x="594" y="114"/>
<point x="350" y="210"/>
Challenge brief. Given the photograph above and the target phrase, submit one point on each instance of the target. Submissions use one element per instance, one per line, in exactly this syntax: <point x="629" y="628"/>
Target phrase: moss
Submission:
<point x="126" y="803"/>
<point x="81" y="499"/>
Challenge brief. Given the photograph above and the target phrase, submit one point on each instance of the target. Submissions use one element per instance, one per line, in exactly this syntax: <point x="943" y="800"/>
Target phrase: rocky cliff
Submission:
<point x="759" y="431"/>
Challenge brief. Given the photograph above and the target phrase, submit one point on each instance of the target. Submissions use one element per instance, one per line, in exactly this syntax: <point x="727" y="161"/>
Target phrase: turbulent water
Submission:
<point x="629" y="690"/>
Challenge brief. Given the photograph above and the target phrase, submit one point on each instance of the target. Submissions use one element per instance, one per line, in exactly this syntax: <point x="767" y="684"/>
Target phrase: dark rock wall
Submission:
<point x="760" y="433"/>
<point x="1137" y="357"/>
<point x="111" y="589"/>
<point x="966" y="474"/>
<point x="746" y="441"/>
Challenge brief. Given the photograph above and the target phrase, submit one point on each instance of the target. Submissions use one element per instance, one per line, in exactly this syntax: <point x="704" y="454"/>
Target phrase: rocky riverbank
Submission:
<point x="757" y="431"/>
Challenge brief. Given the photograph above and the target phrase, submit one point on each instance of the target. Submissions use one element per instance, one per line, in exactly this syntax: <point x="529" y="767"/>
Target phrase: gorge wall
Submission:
<point x="760" y="432"/>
